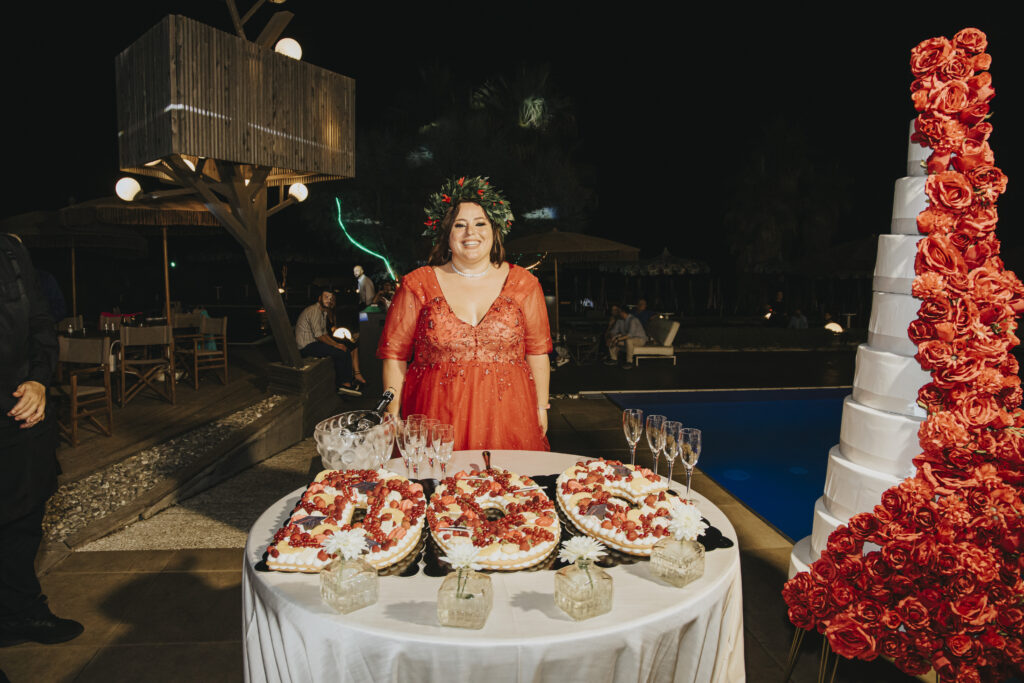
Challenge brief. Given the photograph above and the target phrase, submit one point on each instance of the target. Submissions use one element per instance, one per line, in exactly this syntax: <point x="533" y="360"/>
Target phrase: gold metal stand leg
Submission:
<point x="794" y="650"/>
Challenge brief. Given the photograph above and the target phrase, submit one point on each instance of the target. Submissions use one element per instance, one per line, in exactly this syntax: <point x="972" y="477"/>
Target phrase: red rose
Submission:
<point x="931" y="398"/>
<point x="970" y="40"/>
<point x="912" y="613"/>
<point x="941" y="430"/>
<point x="920" y="331"/>
<point x="949" y="190"/>
<point x="892" y="646"/>
<point x="914" y="665"/>
<point x="959" y="645"/>
<point x="842" y="595"/>
<point x="979" y="220"/>
<point x="801" y="617"/>
<point x="876" y="567"/>
<point x="894" y="501"/>
<point x="868" y="611"/>
<point x="947" y="560"/>
<point x="989" y="181"/>
<point x="934" y="354"/>
<point x="901" y="585"/>
<point x="978" y="411"/>
<point x="992" y="640"/>
<point x="958" y="67"/>
<point x="818" y="601"/>
<point x="942" y="133"/>
<point x="979" y="131"/>
<point x="974" y="608"/>
<point x="975" y="115"/>
<point x="823" y="570"/>
<point x="936" y="253"/>
<point x="935" y="310"/>
<point x="924" y="518"/>
<point x="981" y="88"/>
<point x="953" y="97"/>
<point x="973" y="153"/>
<point x="891" y="619"/>
<point x="961" y="373"/>
<point x="1009" y="617"/>
<point x="849" y="639"/>
<point x="843" y="542"/>
<point x="929" y="55"/>
<point x="963" y="583"/>
<point x="935" y="220"/>
<point x="863" y="525"/>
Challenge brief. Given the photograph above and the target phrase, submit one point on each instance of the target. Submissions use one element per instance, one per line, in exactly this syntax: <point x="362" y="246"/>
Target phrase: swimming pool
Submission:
<point x="768" y="447"/>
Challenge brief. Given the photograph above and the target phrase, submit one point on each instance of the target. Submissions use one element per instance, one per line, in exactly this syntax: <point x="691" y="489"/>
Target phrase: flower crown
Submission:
<point x="474" y="189"/>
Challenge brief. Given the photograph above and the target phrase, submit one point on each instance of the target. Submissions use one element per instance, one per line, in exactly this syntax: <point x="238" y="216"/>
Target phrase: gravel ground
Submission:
<point x="79" y="503"/>
<point x="221" y="516"/>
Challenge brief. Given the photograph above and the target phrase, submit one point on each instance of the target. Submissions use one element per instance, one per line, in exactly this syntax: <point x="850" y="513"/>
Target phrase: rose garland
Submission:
<point x="941" y="585"/>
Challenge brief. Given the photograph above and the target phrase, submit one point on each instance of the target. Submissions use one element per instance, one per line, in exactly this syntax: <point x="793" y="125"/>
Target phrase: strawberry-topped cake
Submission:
<point x="393" y="523"/>
<point x="625" y="507"/>
<point x="525" y="534"/>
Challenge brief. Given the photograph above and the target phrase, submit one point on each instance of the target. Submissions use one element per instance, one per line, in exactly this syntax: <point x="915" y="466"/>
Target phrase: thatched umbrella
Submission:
<point x="572" y="247"/>
<point x="111" y="213"/>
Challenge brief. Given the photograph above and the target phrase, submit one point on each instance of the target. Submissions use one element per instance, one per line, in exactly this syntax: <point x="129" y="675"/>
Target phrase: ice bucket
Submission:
<point x="342" y="445"/>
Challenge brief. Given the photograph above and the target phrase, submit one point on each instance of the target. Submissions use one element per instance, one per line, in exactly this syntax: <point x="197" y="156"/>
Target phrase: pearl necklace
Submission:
<point x="464" y="274"/>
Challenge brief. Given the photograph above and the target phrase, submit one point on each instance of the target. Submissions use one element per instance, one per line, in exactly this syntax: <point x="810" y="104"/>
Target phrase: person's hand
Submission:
<point x="542" y="419"/>
<point x="31" y="406"/>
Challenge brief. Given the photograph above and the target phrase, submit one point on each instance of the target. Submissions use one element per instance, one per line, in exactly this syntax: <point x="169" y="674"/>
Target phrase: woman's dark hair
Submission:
<point x="441" y="254"/>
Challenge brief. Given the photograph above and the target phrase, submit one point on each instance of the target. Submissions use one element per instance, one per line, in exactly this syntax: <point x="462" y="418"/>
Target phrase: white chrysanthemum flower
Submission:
<point x="580" y="548"/>
<point x="349" y="544"/>
<point x="686" y="524"/>
<point x="462" y="556"/>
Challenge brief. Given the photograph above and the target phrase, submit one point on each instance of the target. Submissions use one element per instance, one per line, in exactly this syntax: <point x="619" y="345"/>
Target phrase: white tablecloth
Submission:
<point x="655" y="632"/>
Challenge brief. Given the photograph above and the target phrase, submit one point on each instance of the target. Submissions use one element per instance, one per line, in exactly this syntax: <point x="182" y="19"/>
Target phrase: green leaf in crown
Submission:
<point x="472" y="189"/>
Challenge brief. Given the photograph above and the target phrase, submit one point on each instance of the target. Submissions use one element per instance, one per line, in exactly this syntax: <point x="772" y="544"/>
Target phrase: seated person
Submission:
<point x="313" y="335"/>
<point x="642" y="313"/>
<point x="624" y="331"/>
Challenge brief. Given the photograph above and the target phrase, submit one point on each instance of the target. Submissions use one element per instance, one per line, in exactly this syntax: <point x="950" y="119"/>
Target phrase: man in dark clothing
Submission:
<point x="28" y="446"/>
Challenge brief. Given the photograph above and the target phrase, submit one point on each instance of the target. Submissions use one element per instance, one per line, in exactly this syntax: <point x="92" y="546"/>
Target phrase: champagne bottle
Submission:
<point x="362" y="420"/>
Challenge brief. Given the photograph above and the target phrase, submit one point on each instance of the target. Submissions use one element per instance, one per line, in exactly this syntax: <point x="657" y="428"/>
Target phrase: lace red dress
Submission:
<point x="473" y="377"/>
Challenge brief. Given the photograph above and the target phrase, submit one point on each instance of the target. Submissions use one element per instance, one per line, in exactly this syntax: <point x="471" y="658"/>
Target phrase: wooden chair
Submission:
<point x="200" y="358"/>
<point x="146" y="354"/>
<point x="81" y="359"/>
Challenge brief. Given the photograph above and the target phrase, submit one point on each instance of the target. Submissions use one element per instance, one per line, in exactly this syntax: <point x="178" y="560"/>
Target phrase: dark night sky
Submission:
<point x="667" y="108"/>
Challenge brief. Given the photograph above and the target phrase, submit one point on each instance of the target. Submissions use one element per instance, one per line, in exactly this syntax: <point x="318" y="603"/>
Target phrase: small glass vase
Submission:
<point x="583" y="590"/>
<point x="677" y="562"/>
<point x="464" y="599"/>
<point x="348" y="585"/>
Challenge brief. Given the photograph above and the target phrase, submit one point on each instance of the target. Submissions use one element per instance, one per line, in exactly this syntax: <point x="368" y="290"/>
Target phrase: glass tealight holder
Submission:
<point x="464" y="599"/>
<point x="677" y="562"/>
<point x="348" y="585"/>
<point x="583" y="590"/>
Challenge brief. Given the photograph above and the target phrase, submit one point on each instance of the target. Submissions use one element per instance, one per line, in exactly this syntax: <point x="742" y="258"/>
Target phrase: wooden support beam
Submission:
<point x="235" y="20"/>
<point x="252" y="10"/>
<point x="274" y="28"/>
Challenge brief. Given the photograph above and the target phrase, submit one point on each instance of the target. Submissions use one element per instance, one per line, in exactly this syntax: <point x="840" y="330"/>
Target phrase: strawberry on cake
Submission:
<point x="526" y="534"/>
<point x="627" y="508"/>
<point x="393" y="523"/>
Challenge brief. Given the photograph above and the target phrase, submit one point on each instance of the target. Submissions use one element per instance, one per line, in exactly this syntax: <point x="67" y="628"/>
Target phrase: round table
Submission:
<point x="655" y="632"/>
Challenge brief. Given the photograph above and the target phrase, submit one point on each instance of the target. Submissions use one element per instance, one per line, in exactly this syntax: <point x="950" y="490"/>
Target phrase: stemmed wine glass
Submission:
<point x="390" y="423"/>
<point x="442" y="441"/>
<point x="632" y="425"/>
<point x="656" y="436"/>
<point x="689" y="452"/>
<point x="672" y="429"/>
<point x="415" y="439"/>
<point x="404" y="446"/>
<point x="428" y="437"/>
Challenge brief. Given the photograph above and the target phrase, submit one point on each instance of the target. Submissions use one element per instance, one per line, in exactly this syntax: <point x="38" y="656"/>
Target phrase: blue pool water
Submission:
<point x="769" y="448"/>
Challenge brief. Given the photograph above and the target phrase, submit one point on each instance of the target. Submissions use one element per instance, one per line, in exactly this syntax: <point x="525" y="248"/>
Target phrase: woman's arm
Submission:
<point x="394" y="378"/>
<point x="540" y="366"/>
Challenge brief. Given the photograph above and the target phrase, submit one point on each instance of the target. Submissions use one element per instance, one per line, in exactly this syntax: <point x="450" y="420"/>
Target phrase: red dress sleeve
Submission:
<point x="535" y="310"/>
<point x="397" y="340"/>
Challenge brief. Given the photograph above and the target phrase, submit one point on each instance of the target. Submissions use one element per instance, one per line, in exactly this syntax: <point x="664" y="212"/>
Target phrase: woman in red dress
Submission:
<point x="467" y="337"/>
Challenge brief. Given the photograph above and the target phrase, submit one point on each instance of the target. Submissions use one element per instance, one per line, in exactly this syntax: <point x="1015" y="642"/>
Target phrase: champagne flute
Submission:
<point x="656" y="436"/>
<point x="390" y="424"/>
<point x="415" y="439"/>
<point x="428" y="440"/>
<point x="672" y="429"/>
<point x="689" y="452"/>
<point x="632" y="425"/>
<point x="404" y="447"/>
<point x="443" y="440"/>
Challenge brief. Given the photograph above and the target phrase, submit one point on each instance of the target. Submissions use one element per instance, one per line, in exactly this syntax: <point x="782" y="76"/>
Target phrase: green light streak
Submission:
<point x="353" y="240"/>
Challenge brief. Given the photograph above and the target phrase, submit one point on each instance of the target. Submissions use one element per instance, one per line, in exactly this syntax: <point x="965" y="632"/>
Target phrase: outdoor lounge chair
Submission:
<point x="661" y="334"/>
<point x="199" y="357"/>
<point x="146" y="356"/>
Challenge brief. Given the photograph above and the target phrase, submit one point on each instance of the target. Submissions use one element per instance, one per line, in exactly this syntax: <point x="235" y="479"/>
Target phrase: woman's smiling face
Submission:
<point x="471" y="236"/>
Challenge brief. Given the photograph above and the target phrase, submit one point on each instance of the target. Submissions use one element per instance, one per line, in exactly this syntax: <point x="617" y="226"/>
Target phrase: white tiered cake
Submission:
<point x="878" y="437"/>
